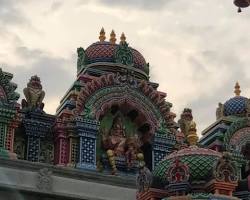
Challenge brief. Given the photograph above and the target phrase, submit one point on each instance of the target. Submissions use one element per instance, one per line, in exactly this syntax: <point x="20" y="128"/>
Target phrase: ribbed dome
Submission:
<point x="199" y="160"/>
<point x="235" y="106"/>
<point x="105" y="52"/>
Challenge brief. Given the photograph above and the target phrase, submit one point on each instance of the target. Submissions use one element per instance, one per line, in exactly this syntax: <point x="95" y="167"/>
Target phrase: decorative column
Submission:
<point x="73" y="146"/>
<point x="87" y="130"/>
<point x="3" y="130"/>
<point x="163" y="144"/>
<point x="61" y="157"/>
<point x="36" y="125"/>
<point x="8" y="110"/>
<point x="7" y="132"/>
<point x="9" y="143"/>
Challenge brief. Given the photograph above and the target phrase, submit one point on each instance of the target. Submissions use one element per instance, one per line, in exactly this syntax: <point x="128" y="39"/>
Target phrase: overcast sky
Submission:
<point x="197" y="49"/>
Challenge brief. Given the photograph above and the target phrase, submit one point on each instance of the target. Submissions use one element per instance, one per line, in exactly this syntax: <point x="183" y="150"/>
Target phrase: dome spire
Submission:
<point x="122" y="38"/>
<point x="192" y="137"/>
<point x="237" y="90"/>
<point x="112" y="37"/>
<point x="102" y="36"/>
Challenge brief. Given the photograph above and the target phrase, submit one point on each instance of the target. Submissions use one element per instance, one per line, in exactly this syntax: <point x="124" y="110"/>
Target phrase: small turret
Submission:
<point x="112" y="37"/>
<point x="122" y="38"/>
<point x="102" y="36"/>
<point x="237" y="90"/>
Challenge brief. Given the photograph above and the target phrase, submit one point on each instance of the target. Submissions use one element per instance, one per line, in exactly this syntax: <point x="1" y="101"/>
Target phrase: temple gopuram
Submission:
<point x="114" y="137"/>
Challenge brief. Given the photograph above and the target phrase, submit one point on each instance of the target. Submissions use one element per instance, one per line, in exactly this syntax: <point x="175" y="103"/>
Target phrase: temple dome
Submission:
<point x="236" y="105"/>
<point x="119" y="53"/>
<point x="104" y="52"/>
<point x="199" y="160"/>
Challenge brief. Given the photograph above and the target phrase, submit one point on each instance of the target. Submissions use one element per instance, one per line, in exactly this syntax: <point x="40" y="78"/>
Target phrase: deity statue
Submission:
<point x="186" y="119"/>
<point x="114" y="141"/>
<point x="34" y="94"/>
<point x="80" y="59"/>
<point x="117" y="144"/>
<point x="116" y="138"/>
<point x="144" y="178"/>
<point x="46" y="153"/>
<point x="220" y="111"/>
<point x="19" y="147"/>
<point x="131" y="150"/>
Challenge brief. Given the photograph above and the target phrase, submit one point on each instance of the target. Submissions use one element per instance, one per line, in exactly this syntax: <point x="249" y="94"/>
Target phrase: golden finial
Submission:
<point x="123" y="38"/>
<point x="112" y="37"/>
<point x="102" y="36"/>
<point x="237" y="90"/>
<point x="192" y="137"/>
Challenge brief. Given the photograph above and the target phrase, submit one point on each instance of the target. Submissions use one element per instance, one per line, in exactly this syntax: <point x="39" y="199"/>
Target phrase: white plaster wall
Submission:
<point x="20" y="178"/>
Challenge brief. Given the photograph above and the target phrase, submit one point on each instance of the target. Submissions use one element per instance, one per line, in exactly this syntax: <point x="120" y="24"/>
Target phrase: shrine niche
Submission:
<point x="121" y="136"/>
<point x="46" y="154"/>
<point x="20" y="142"/>
<point x="225" y="169"/>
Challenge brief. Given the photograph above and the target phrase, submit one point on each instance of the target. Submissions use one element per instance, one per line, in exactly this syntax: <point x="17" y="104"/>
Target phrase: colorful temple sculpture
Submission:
<point x="112" y="115"/>
<point x="112" y="127"/>
<point x="9" y="116"/>
<point x="231" y="132"/>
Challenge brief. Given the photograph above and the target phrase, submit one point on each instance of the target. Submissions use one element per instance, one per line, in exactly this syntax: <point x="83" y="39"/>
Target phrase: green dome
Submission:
<point x="199" y="160"/>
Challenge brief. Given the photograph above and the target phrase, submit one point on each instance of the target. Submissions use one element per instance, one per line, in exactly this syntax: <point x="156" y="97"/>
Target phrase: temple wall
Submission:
<point x="20" y="180"/>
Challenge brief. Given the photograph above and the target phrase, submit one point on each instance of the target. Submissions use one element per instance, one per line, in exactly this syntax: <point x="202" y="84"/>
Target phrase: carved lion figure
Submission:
<point x="34" y="94"/>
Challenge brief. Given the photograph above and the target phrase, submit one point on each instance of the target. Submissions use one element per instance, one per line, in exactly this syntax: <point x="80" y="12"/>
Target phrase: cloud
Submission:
<point x="56" y="5"/>
<point x="55" y="74"/>
<point x="10" y="13"/>
<point x="139" y="4"/>
<point x="194" y="55"/>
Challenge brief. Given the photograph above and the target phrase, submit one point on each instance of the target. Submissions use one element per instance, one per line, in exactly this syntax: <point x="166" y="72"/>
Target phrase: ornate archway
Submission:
<point x="100" y="94"/>
<point x="95" y="102"/>
<point x="237" y="135"/>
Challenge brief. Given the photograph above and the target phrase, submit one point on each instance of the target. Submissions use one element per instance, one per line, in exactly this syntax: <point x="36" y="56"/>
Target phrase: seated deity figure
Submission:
<point x="116" y="144"/>
<point x="116" y="138"/>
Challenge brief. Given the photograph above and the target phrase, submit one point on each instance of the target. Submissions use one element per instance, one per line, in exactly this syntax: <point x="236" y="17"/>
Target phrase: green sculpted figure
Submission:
<point x="124" y="54"/>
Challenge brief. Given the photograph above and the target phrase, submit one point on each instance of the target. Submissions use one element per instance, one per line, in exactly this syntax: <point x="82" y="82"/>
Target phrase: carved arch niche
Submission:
<point x="240" y="138"/>
<point x="134" y="100"/>
<point x="238" y="142"/>
<point x="133" y="118"/>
